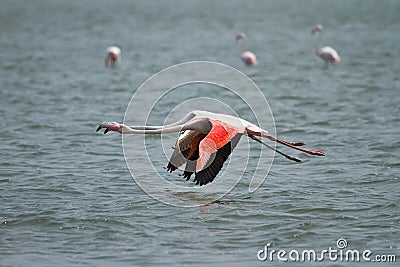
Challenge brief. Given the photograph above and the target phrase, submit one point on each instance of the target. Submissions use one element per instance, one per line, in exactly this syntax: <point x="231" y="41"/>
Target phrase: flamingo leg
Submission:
<point x="294" y="146"/>
<point x="274" y="149"/>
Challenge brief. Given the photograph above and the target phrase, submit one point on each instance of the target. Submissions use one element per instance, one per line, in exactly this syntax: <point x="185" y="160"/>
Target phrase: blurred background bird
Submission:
<point x="249" y="58"/>
<point x="327" y="53"/>
<point x="113" y="56"/>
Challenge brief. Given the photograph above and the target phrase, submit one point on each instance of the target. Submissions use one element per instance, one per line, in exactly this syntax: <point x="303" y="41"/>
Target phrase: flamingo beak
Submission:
<point x="101" y="126"/>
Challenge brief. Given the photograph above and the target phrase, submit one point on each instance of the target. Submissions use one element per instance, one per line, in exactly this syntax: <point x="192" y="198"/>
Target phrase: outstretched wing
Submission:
<point x="208" y="174"/>
<point x="214" y="150"/>
<point x="186" y="148"/>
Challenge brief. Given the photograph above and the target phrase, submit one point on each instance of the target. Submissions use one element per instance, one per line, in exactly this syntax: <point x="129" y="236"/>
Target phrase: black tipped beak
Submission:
<point x="98" y="128"/>
<point x="106" y="131"/>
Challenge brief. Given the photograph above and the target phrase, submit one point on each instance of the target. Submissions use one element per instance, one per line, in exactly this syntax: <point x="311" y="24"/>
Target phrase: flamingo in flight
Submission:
<point x="327" y="53"/>
<point x="113" y="56"/>
<point x="248" y="57"/>
<point x="205" y="142"/>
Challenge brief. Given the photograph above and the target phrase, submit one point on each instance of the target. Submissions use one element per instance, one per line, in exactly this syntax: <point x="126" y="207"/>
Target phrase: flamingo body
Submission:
<point x="113" y="56"/>
<point x="206" y="140"/>
<point x="329" y="54"/>
<point x="249" y="58"/>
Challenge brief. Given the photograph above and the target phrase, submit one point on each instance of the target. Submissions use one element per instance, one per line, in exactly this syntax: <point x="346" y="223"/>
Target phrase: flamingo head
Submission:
<point x="317" y="28"/>
<point x="240" y="36"/>
<point x="110" y="126"/>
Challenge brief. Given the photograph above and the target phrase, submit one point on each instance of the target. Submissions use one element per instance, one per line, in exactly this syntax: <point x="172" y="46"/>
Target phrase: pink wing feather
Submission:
<point x="221" y="133"/>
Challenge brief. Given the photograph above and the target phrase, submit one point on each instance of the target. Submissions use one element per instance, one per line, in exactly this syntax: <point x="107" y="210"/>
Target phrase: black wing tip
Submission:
<point x="187" y="175"/>
<point x="207" y="175"/>
<point x="171" y="167"/>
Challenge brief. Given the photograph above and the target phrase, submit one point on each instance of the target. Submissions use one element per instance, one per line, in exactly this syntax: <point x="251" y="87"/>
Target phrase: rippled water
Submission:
<point x="67" y="197"/>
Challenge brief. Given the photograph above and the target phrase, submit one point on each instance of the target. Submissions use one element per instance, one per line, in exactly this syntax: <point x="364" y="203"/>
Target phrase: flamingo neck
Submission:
<point x="149" y="130"/>
<point x="319" y="40"/>
<point x="243" y="46"/>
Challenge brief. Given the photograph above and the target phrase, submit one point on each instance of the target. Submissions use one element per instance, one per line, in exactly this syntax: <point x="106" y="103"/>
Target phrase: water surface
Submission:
<point x="67" y="196"/>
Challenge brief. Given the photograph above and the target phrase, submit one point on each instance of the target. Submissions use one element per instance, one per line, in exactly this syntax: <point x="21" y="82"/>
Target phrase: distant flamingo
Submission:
<point x="248" y="57"/>
<point x="113" y="56"/>
<point x="206" y="140"/>
<point x="327" y="53"/>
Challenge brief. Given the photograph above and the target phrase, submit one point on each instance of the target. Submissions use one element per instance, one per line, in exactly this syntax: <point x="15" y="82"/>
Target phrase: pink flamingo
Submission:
<point x="327" y="53"/>
<point x="248" y="57"/>
<point x="113" y="56"/>
<point x="206" y="140"/>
